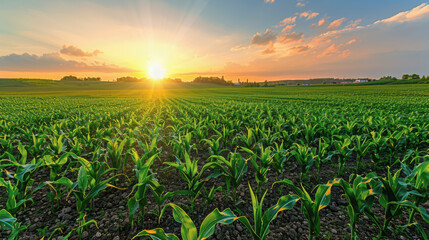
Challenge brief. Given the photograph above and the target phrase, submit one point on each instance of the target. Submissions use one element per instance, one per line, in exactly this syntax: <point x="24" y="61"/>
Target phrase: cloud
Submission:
<point x="330" y="51"/>
<point x="299" y="49"/>
<point x="238" y="48"/>
<point x="269" y="50"/>
<point x="336" y="24"/>
<point x="269" y="1"/>
<point x="335" y="50"/>
<point x="77" y="52"/>
<point x="417" y="13"/>
<point x="288" y="28"/>
<point x="309" y="15"/>
<point x="286" y="21"/>
<point x="351" y="41"/>
<point x="269" y="36"/>
<point x="354" y="23"/>
<point x="300" y="4"/>
<point x="52" y="62"/>
<point x="290" y="37"/>
<point x="320" y="23"/>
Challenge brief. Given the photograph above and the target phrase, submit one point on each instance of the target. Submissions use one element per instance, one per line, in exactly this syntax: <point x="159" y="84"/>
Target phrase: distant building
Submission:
<point x="237" y="84"/>
<point x="361" y="80"/>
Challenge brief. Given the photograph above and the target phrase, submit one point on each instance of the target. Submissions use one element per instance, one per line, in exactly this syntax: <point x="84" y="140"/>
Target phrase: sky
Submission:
<point x="239" y="39"/>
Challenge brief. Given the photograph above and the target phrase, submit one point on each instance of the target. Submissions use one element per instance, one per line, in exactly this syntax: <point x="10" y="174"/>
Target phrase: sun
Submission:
<point x="156" y="71"/>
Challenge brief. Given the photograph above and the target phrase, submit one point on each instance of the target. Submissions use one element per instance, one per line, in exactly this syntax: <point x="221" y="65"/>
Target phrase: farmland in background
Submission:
<point x="107" y="161"/>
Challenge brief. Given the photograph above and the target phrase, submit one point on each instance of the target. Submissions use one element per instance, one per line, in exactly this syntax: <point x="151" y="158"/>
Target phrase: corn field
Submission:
<point x="274" y="163"/>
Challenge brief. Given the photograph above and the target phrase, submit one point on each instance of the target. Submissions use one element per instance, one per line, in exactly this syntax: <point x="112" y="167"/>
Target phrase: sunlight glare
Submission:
<point x="156" y="71"/>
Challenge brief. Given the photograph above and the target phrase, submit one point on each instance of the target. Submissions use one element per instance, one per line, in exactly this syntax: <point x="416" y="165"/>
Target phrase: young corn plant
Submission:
<point x="145" y="178"/>
<point x="57" y="145"/>
<point x="188" y="229"/>
<point x="305" y="158"/>
<point x="149" y="148"/>
<point x="82" y="224"/>
<point x="262" y="220"/>
<point x="59" y="187"/>
<point x="417" y="179"/>
<point x="379" y="145"/>
<point x="280" y="157"/>
<point x="22" y="160"/>
<point x="116" y="152"/>
<point x="309" y="207"/>
<point x="210" y="194"/>
<point x="262" y="164"/>
<point x="19" y="189"/>
<point x="249" y="140"/>
<point x="394" y="199"/>
<point x="343" y="152"/>
<point x="232" y="171"/>
<point x="87" y="187"/>
<point x="226" y="133"/>
<point x="214" y="146"/>
<point x="36" y="150"/>
<point x="361" y="195"/>
<point x="55" y="165"/>
<point x="9" y="222"/>
<point x="182" y="145"/>
<point x="161" y="196"/>
<point x="362" y="147"/>
<point x="322" y="156"/>
<point x="188" y="171"/>
<point x="76" y="146"/>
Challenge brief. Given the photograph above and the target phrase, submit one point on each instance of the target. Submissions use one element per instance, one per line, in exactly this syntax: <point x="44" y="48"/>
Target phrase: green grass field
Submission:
<point x="121" y="155"/>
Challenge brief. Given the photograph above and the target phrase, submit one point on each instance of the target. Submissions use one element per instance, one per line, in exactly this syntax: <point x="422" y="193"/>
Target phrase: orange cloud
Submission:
<point x="320" y="23"/>
<point x="269" y="50"/>
<point x="53" y="62"/>
<point x="288" y="28"/>
<point x="354" y="23"/>
<point x="286" y="21"/>
<point x="330" y="51"/>
<point x="336" y="24"/>
<point x="298" y="49"/>
<point x="419" y="12"/>
<point x="264" y="39"/>
<point x="309" y="15"/>
<point x="238" y="48"/>
<point x="269" y="1"/>
<point x="351" y="41"/>
<point x="291" y="37"/>
<point x="77" y="52"/>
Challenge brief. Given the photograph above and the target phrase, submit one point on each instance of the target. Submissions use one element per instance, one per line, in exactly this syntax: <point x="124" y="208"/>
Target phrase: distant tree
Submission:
<point x="70" y="78"/>
<point x="405" y="77"/>
<point x="266" y="83"/>
<point x="388" y="78"/>
<point x="215" y="80"/>
<point x="415" y="77"/>
<point x="129" y="79"/>
<point x="97" y="79"/>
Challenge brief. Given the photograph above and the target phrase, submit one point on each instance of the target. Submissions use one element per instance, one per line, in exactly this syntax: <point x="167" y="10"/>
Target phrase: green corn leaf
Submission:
<point x="284" y="203"/>
<point x="6" y="220"/>
<point x="82" y="179"/>
<point x="157" y="234"/>
<point x="188" y="229"/>
<point x="208" y="226"/>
